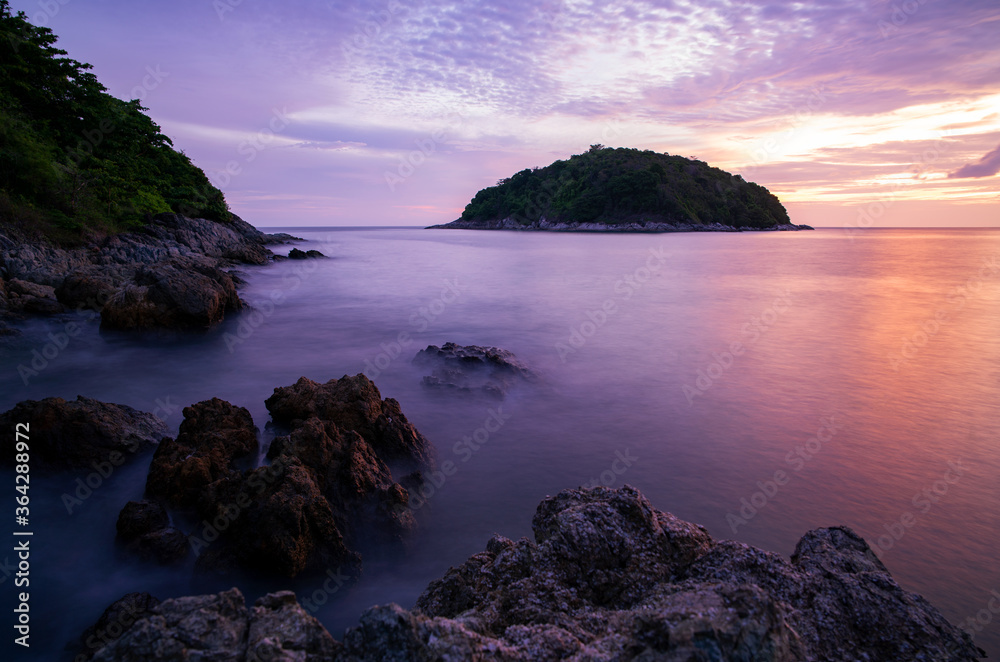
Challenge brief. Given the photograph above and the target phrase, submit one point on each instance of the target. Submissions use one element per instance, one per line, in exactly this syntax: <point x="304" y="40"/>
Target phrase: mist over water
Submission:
<point x="855" y="366"/>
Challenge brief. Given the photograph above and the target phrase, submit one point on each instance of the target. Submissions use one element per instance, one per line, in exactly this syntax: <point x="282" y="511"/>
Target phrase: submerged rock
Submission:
<point x="473" y="369"/>
<point x="79" y="434"/>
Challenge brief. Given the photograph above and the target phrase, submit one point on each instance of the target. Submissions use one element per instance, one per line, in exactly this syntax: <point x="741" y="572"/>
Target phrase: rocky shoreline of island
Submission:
<point x="657" y="227"/>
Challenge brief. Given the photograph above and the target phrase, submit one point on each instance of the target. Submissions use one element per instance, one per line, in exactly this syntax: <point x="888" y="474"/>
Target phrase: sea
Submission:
<point x="761" y="384"/>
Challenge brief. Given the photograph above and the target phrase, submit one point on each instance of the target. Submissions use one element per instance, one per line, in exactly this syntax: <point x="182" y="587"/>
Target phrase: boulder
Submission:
<point x="79" y="434"/>
<point x="218" y="627"/>
<point x="296" y="254"/>
<point x="144" y="528"/>
<point x="24" y="288"/>
<point x="473" y="369"/>
<point x="180" y="293"/>
<point x="353" y="404"/>
<point x="205" y="627"/>
<point x="138" y="518"/>
<point x="215" y="439"/>
<point x="608" y="577"/>
<point x="277" y="523"/>
<point x="87" y="289"/>
<point x="116" y="619"/>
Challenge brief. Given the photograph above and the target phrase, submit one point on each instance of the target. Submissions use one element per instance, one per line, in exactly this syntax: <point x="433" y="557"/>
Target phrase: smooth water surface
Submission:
<point x="865" y="368"/>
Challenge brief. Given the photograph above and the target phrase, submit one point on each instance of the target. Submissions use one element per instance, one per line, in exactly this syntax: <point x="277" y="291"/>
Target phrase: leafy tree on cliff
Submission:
<point x="73" y="157"/>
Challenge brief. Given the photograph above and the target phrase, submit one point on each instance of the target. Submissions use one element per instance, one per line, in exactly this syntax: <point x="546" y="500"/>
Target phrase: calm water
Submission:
<point x="861" y="352"/>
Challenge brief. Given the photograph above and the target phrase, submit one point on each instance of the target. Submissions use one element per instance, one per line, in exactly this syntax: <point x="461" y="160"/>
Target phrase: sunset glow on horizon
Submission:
<point x="396" y="112"/>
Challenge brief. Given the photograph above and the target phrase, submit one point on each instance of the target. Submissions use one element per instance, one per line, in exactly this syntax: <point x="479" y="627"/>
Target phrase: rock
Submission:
<point x="214" y="627"/>
<point x="28" y="297"/>
<point x="214" y="439"/>
<point x="280" y="629"/>
<point x="138" y="518"/>
<point x="86" y="289"/>
<point x="80" y="434"/>
<point x="144" y="527"/>
<point x="608" y="577"/>
<point x="284" y="526"/>
<point x="25" y="288"/>
<point x="281" y="238"/>
<point x="178" y="260"/>
<point x="352" y="404"/>
<point x="473" y="369"/>
<point x="296" y="254"/>
<point x="206" y="627"/>
<point x="184" y="293"/>
<point x="115" y="620"/>
<point x="352" y="477"/>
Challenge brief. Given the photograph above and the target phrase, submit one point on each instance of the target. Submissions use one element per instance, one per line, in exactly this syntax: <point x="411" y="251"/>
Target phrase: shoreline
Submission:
<point x="627" y="228"/>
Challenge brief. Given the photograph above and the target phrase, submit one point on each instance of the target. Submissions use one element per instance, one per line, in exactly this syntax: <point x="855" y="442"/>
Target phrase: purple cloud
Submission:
<point x="987" y="166"/>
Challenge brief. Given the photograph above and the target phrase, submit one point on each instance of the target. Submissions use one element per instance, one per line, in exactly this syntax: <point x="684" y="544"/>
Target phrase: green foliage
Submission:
<point x="73" y="157"/>
<point x="612" y="186"/>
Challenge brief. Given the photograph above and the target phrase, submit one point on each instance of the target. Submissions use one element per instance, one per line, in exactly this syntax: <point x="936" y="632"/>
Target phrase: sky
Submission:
<point x="396" y="112"/>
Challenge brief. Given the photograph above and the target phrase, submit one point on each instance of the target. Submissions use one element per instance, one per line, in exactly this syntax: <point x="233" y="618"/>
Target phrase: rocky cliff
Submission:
<point x="171" y="273"/>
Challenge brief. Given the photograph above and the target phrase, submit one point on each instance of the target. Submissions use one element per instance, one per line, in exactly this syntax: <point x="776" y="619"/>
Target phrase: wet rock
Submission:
<point x="277" y="522"/>
<point x="182" y="293"/>
<point x="87" y="289"/>
<point x="80" y="434"/>
<point x="214" y="627"/>
<point x="214" y="439"/>
<point x="473" y="369"/>
<point x="169" y="273"/>
<point x="352" y="404"/>
<point x="26" y="297"/>
<point x="367" y="503"/>
<point x="608" y="577"/>
<point x="24" y="288"/>
<point x="205" y="627"/>
<point x="296" y="254"/>
<point x="115" y="620"/>
<point x="144" y="528"/>
<point x="280" y="629"/>
<point x="138" y="518"/>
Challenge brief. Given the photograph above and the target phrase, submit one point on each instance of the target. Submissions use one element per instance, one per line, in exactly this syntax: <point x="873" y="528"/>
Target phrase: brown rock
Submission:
<point x="353" y="404"/>
<point x="181" y="293"/>
<point x="79" y="434"/>
<point x="215" y="437"/>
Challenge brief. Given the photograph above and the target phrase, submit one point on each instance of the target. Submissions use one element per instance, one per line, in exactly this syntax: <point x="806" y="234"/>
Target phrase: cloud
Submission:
<point x="985" y="167"/>
<point x="336" y="145"/>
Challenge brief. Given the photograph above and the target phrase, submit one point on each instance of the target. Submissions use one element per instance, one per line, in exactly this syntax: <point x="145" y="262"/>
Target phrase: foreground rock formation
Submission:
<point x="327" y="486"/>
<point x="171" y="273"/>
<point x="607" y="577"/>
<point x="79" y="434"/>
<point x="209" y="627"/>
<point x="473" y="369"/>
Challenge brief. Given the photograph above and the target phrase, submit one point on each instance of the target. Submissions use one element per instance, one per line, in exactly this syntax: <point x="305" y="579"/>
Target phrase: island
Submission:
<point x="625" y="190"/>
